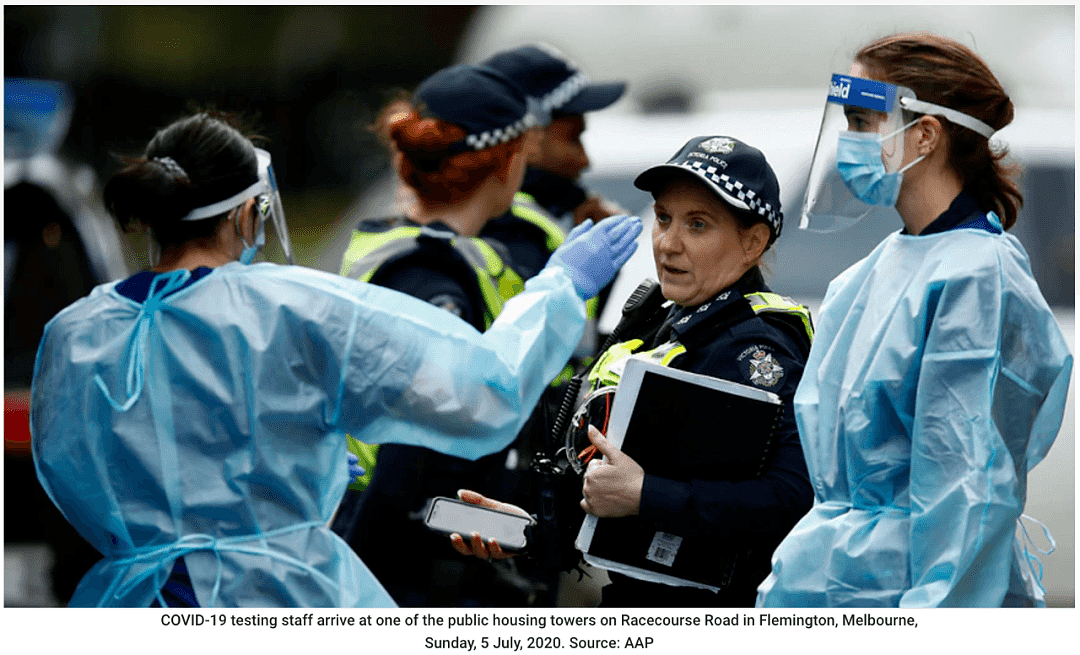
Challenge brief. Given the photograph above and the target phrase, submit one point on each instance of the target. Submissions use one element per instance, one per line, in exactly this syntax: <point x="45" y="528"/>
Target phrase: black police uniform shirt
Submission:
<point x="433" y="283"/>
<point x="769" y="352"/>
<point x="388" y="525"/>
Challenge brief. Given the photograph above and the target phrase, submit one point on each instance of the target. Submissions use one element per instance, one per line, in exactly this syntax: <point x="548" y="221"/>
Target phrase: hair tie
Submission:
<point x="170" y="165"/>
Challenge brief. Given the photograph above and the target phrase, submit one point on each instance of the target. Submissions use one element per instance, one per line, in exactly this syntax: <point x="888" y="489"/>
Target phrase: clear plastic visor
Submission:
<point x="866" y="108"/>
<point x="268" y="205"/>
<point x="273" y="203"/>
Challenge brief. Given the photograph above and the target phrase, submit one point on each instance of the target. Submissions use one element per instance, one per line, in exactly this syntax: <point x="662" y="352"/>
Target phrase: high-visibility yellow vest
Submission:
<point x="612" y="362"/>
<point x="526" y="208"/>
<point x="370" y="250"/>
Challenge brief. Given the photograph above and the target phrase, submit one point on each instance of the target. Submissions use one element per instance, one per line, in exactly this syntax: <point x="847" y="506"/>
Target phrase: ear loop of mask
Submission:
<point x="895" y="132"/>
<point x="250" y="250"/>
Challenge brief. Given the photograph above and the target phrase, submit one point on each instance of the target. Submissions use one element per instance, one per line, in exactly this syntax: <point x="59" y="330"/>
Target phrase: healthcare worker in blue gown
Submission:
<point x="938" y="375"/>
<point x="189" y="421"/>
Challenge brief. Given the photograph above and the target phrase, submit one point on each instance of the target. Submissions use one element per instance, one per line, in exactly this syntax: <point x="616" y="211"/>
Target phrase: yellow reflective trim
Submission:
<point x="363" y="243"/>
<point x="367" y="453"/>
<point x="663" y="355"/>
<point x="601" y="375"/>
<point x="498" y="282"/>
<point x="510" y="284"/>
<point x="764" y="301"/>
<point x="526" y="207"/>
<point x="493" y="300"/>
<point x="604" y="375"/>
<point x="592" y="307"/>
<point x="506" y="279"/>
<point x="494" y="276"/>
<point x="494" y="263"/>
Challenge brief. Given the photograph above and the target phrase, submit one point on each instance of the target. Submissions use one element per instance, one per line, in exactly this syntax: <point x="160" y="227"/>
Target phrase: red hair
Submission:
<point x="946" y="73"/>
<point x="420" y="146"/>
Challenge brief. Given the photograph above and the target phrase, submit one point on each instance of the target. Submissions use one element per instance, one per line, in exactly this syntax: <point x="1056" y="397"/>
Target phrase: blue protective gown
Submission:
<point x="936" y="381"/>
<point x="210" y="423"/>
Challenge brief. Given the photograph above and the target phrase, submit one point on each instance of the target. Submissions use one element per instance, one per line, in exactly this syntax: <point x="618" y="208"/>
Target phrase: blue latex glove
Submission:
<point x="593" y="254"/>
<point x="355" y="470"/>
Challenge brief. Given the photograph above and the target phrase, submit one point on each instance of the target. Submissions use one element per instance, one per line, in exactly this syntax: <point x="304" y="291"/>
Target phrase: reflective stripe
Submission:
<point x="497" y="282"/>
<point x="526" y="208"/>
<point x="663" y="355"/>
<point x="609" y="368"/>
<point x="592" y="307"/>
<point x="367" y="453"/>
<point x="368" y="251"/>
<point x="764" y="301"/>
<point x="480" y="253"/>
<point x="602" y="374"/>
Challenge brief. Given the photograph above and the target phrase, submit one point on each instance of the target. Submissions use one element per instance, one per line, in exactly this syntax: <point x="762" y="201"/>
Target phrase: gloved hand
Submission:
<point x="593" y="254"/>
<point x="355" y="470"/>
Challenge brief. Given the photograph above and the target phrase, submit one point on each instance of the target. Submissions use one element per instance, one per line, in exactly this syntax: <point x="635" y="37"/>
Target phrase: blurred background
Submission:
<point x="312" y="78"/>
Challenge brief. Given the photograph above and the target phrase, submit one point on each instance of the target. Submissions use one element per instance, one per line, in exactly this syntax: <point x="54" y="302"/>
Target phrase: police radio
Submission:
<point x="557" y="470"/>
<point x="646" y="300"/>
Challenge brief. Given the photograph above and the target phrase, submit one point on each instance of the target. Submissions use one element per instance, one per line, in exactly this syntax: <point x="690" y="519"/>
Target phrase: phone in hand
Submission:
<point x="450" y="515"/>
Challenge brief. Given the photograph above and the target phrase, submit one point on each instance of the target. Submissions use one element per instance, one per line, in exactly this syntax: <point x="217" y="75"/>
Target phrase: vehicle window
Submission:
<point x="1046" y="227"/>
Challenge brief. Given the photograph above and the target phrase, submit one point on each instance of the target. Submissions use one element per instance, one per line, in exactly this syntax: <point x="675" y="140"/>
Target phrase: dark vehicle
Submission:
<point x="59" y="242"/>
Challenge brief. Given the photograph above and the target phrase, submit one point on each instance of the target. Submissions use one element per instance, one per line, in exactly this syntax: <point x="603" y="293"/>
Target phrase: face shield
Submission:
<point x="859" y="152"/>
<point x="269" y="207"/>
<point x="273" y="204"/>
<point x="858" y="161"/>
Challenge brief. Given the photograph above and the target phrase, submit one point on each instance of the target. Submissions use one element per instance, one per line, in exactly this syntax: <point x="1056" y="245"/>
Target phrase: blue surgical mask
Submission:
<point x="859" y="162"/>
<point x="249" y="252"/>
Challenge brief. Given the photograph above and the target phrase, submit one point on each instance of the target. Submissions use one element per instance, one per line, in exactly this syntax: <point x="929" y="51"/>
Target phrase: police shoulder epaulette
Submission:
<point x="765" y="301"/>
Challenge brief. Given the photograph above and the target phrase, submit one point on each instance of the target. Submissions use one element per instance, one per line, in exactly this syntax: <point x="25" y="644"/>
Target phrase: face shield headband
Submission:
<point x="857" y="163"/>
<point x="269" y="207"/>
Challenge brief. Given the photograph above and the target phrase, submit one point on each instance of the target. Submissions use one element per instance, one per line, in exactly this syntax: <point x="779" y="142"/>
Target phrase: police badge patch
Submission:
<point x="719" y="145"/>
<point x="760" y="367"/>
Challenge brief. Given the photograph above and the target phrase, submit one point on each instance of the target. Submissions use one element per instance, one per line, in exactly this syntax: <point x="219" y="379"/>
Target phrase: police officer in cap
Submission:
<point x="459" y="145"/>
<point x="717" y="207"/>
<point x="562" y="95"/>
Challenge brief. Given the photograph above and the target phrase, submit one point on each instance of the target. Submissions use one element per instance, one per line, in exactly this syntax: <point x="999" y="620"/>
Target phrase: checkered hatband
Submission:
<point x="489" y="138"/>
<point x="563" y="93"/>
<point x="738" y="190"/>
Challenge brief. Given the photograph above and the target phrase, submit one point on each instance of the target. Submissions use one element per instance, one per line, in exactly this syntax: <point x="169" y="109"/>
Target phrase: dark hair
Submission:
<point x="946" y="73"/>
<point x="193" y="162"/>
<point x="426" y="164"/>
